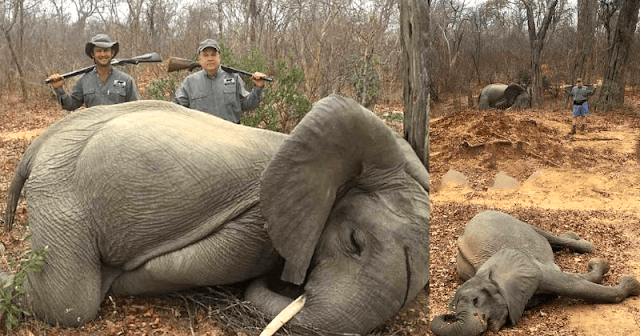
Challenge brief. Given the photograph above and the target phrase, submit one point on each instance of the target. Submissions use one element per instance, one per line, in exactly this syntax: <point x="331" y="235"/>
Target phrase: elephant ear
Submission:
<point x="512" y="92"/>
<point x="516" y="276"/>
<point x="334" y="143"/>
<point x="414" y="167"/>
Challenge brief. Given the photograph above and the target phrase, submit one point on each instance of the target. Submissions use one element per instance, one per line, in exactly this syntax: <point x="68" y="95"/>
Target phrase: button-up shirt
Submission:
<point x="224" y="95"/>
<point x="580" y="94"/>
<point x="90" y="91"/>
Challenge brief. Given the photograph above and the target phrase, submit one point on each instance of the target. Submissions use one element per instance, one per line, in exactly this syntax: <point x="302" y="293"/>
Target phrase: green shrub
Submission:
<point x="284" y="104"/>
<point x="30" y="262"/>
<point x="165" y="88"/>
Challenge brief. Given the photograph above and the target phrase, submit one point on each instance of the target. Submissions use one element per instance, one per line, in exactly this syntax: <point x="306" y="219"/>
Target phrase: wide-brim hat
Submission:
<point x="102" y="41"/>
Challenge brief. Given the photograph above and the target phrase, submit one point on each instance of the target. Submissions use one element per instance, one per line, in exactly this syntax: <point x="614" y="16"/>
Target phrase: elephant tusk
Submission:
<point x="284" y="316"/>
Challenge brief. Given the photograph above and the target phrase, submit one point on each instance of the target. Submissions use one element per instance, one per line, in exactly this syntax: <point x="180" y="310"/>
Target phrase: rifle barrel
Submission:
<point x="152" y="57"/>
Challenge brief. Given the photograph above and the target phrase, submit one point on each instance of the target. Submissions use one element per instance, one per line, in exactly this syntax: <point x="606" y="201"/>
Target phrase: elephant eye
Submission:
<point x="356" y="243"/>
<point x="475" y="302"/>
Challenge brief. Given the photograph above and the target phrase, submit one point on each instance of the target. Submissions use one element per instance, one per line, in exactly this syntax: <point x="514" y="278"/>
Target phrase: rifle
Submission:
<point x="152" y="57"/>
<point x="177" y="64"/>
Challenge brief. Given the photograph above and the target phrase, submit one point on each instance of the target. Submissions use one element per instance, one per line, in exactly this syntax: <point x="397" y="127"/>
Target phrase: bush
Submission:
<point x="13" y="290"/>
<point x="165" y="88"/>
<point x="284" y="104"/>
<point x="364" y="77"/>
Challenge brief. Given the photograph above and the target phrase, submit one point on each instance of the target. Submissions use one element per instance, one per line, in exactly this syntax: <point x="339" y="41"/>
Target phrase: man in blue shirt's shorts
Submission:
<point x="580" y="95"/>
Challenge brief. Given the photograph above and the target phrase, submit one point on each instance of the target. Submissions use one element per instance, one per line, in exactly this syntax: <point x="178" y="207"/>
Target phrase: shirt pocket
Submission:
<point x="117" y="94"/>
<point x="230" y="98"/>
<point x="88" y="93"/>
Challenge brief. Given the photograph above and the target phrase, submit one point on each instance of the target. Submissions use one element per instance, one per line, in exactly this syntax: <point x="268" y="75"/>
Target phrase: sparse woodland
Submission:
<point x="351" y="47"/>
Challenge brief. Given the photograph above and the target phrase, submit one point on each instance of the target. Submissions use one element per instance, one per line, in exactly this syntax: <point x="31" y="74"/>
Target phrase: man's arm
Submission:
<point x="182" y="97"/>
<point x="248" y="100"/>
<point x="132" y="93"/>
<point x="73" y="101"/>
<point x="569" y="90"/>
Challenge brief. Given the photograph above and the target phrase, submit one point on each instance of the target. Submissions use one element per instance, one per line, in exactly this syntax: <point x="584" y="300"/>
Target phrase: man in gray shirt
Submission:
<point x="215" y="91"/>
<point x="104" y="85"/>
<point x="580" y="95"/>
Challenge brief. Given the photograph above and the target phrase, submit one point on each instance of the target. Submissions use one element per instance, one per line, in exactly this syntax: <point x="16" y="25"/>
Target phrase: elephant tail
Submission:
<point x="21" y="175"/>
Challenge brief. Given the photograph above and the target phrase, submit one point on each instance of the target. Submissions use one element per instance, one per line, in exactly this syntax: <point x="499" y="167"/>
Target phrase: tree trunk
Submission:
<point x="414" y="36"/>
<point x="253" y="14"/>
<point x="414" y="30"/>
<point x="613" y="87"/>
<point x="536" y="74"/>
<point x="536" y="43"/>
<point x="587" y="10"/>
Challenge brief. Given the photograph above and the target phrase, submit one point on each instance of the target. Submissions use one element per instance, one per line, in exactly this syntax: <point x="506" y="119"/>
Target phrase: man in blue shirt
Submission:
<point x="580" y="95"/>
<point x="217" y="92"/>
<point x="104" y="85"/>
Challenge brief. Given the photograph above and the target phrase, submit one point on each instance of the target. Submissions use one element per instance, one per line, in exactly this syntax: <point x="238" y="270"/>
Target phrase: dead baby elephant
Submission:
<point x="502" y="96"/>
<point x="505" y="262"/>
<point x="151" y="197"/>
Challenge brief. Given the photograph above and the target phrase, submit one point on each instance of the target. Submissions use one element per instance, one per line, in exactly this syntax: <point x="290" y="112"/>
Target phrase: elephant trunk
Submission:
<point x="461" y="324"/>
<point x="312" y="316"/>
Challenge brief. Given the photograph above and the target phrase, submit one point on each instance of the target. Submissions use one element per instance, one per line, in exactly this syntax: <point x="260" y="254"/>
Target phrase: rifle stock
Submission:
<point x="177" y="64"/>
<point x="146" y="58"/>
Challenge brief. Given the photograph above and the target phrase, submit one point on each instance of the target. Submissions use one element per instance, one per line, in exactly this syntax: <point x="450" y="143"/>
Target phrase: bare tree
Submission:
<point x="536" y="42"/>
<point x="13" y="12"/>
<point x="607" y="10"/>
<point x="414" y="32"/>
<point x="84" y="10"/>
<point x="612" y="93"/>
<point x="587" y="10"/>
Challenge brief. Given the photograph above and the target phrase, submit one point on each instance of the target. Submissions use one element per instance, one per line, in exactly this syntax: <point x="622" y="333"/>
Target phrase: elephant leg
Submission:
<point x="597" y="268"/>
<point x="538" y="299"/>
<point x="66" y="290"/>
<point x="237" y="252"/>
<point x="501" y="104"/>
<point x="568" y="240"/>
<point x="576" y="286"/>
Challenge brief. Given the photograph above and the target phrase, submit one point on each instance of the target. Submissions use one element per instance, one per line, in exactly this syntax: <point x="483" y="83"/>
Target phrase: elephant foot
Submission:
<point x="597" y="267"/>
<point x="630" y="285"/>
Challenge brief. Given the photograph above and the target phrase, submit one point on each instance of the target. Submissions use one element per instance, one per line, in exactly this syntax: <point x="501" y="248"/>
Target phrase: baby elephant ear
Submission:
<point x="516" y="276"/>
<point x="512" y="92"/>
<point x="333" y="144"/>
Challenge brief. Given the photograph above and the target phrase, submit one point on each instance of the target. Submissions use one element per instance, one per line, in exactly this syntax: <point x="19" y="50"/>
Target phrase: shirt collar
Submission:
<point x="218" y="73"/>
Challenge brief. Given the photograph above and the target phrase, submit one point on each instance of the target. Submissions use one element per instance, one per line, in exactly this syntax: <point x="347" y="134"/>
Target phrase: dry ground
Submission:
<point x="589" y="184"/>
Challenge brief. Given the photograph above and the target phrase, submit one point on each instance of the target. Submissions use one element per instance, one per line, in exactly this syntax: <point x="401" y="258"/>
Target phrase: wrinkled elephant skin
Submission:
<point x="150" y="197"/>
<point x="505" y="262"/>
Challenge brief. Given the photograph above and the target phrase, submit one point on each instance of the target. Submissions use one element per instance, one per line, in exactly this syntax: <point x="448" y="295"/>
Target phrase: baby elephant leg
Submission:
<point x="597" y="268"/>
<point x="579" y="287"/>
<point x="568" y="240"/>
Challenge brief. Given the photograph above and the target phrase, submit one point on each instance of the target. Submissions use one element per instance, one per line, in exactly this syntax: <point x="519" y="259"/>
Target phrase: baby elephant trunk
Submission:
<point x="462" y="324"/>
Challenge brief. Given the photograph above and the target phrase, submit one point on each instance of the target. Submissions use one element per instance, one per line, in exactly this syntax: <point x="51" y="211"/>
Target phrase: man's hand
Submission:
<point x="258" y="79"/>
<point x="57" y="81"/>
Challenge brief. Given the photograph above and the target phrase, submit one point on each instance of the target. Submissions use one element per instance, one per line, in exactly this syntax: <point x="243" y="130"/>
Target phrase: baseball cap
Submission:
<point x="208" y="43"/>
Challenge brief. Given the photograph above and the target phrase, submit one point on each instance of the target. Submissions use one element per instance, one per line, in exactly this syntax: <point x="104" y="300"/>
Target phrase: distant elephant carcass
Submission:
<point x="501" y="96"/>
